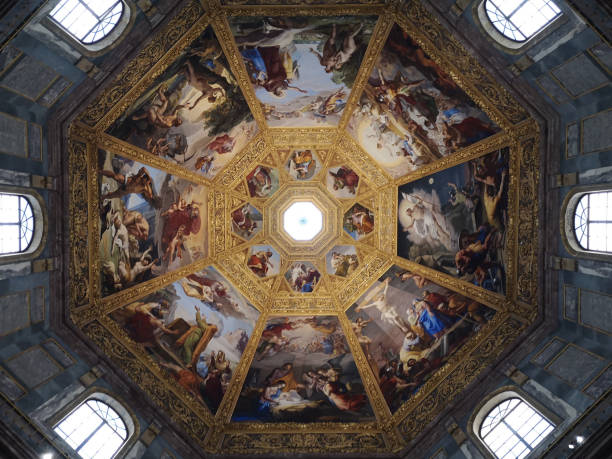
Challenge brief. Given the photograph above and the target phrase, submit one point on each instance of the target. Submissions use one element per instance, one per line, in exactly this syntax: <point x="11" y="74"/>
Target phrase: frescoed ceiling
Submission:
<point x="193" y="268"/>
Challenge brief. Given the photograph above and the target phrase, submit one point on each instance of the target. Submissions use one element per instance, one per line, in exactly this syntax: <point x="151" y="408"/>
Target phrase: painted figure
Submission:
<point x="260" y="262"/>
<point x="345" y="178"/>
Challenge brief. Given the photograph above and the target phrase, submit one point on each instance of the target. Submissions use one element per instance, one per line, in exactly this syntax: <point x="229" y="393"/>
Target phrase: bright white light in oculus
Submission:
<point x="302" y="221"/>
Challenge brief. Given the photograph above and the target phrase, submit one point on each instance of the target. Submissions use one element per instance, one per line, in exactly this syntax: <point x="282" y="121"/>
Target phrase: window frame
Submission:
<point x="105" y="396"/>
<point x="102" y="46"/>
<point x="19" y="223"/>
<point x="39" y="233"/>
<point x="85" y="4"/>
<point x="568" y="234"/>
<point x="484" y="407"/>
<point x="507" y="44"/>
<point x="508" y="19"/>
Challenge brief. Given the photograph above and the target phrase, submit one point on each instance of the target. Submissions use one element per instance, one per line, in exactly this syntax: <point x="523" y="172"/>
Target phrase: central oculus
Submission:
<point x="302" y="221"/>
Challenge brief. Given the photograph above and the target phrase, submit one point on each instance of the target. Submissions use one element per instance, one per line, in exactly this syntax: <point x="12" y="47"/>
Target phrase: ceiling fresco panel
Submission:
<point x="412" y="112"/>
<point x="409" y="327"/>
<point x="302" y="68"/>
<point x="455" y="220"/>
<point x="193" y="114"/>
<point x="303" y="371"/>
<point x="196" y="329"/>
<point x="151" y="222"/>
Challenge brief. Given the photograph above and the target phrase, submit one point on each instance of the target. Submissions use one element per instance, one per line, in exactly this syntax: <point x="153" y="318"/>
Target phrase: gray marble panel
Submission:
<point x="603" y="53"/>
<point x="34" y="141"/>
<point x="596" y="132"/>
<point x="8" y="56"/>
<point x="579" y="75"/>
<point x="595" y="268"/>
<point x="548" y="353"/>
<point x="571" y="302"/>
<point x="33" y="366"/>
<point x="12" y="135"/>
<point x="576" y="366"/>
<point x="58" y="353"/>
<point x="54" y="92"/>
<point x="28" y="78"/>
<point x="603" y="382"/>
<point x="552" y="89"/>
<point x="440" y="454"/>
<point x="599" y="175"/>
<point x="9" y="387"/>
<point x="596" y="310"/>
<point x="15" y="269"/>
<point x="573" y="140"/>
<point x="14" y="178"/>
<point x="14" y="312"/>
<point x="37" y="306"/>
<point x="136" y="451"/>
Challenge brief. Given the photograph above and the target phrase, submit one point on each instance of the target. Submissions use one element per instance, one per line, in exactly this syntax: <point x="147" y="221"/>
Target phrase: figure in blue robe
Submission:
<point x="433" y="321"/>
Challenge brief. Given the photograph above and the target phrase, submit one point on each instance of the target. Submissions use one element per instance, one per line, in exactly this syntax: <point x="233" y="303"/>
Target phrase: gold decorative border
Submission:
<point x="164" y="397"/>
<point x="427" y="405"/>
<point x="463" y="67"/>
<point x="129" y="82"/>
<point x="377" y="252"/>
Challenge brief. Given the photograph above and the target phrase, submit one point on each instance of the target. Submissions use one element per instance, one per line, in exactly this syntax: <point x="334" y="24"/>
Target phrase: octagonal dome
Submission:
<point x="422" y="168"/>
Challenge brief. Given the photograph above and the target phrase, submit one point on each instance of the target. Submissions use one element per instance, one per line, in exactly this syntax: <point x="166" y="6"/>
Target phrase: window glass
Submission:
<point x="94" y="430"/>
<point x="519" y="20"/>
<point x="16" y="223"/>
<point x="512" y="429"/>
<point x="593" y="221"/>
<point x="88" y="21"/>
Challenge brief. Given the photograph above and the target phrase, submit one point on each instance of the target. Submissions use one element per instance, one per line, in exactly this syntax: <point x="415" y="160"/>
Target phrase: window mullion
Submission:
<point x="517" y="435"/>
<point x="90" y="436"/>
<point x="515" y="10"/>
<point x="89" y="9"/>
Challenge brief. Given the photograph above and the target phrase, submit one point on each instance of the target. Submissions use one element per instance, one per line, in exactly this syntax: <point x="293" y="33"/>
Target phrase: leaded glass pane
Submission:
<point x="93" y="430"/>
<point x="16" y="223"/>
<point x="519" y="20"/>
<point x="88" y="21"/>
<point x="593" y="221"/>
<point x="513" y="428"/>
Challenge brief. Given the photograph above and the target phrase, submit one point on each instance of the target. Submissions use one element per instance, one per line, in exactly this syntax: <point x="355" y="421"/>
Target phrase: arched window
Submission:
<point x="586" y="223"/>
<point x="519" y="20"/>
<point x="512" y="429"/>
<point x="16" y="223"/>
<point x="89" y="21"/>
<point x="94" y="429"/>
<point x="593" y="221"/>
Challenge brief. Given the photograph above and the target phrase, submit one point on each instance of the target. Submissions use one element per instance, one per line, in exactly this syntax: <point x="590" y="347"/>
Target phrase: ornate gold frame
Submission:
<point x="377" y="252"/>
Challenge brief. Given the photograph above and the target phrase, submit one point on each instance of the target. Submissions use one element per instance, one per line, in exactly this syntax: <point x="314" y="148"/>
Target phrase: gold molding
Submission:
<point x="334" y="295"/>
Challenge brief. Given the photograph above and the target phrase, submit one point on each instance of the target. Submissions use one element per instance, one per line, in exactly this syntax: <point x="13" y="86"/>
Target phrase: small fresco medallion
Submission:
<point x="264" y="261"/>
<point x="358" y="221"/>
<point x="342" y="260"/>
<point x="342" y="182"/>
<point x="303" y="164"/>
<point x="303" y="277"/>
<point x="262" y="181"/>
<point x="247" y="221"/>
